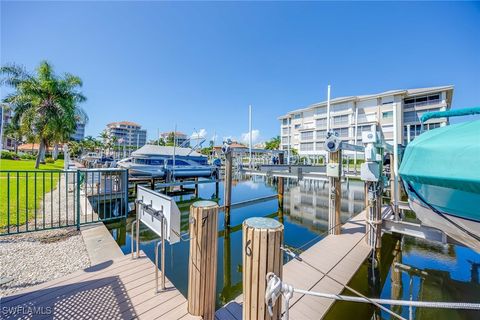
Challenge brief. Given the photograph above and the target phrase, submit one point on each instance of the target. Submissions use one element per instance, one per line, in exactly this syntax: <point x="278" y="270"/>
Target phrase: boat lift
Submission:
<point x="161" y="215"/>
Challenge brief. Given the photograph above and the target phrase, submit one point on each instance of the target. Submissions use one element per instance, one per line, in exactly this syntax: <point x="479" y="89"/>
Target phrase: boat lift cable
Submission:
<point x="276" y="288"/>
<point x="441" y="214"/>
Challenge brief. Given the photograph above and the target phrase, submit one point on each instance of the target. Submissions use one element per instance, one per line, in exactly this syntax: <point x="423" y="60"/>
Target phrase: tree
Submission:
<point x="273" y="144"/>
<point x="45" y="104"/>
<point x="13" y="132"/>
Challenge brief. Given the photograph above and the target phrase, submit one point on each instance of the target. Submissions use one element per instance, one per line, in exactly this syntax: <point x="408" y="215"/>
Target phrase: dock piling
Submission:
<point x="202" y="270"/>
<point x="335" y="193"/>
<point x="262" y="238"/>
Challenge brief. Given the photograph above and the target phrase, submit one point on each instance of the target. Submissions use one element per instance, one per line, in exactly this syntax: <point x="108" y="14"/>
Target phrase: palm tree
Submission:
<point x="44" y="104"/>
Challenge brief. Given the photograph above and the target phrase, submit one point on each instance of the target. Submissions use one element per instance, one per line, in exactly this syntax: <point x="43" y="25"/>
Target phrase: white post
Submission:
<point x="174" y="149"/>
<point x="395" y="159"/>
<point x="289" y="138"/>
<point x="250" y="134"/>
<point x="1" y="128"/>
<point x="137" y="139"/>
<point x="327" y="156"/>
<point x="356" y="132"/>
<point x="328" y="108"/>
<point x="408" y="134"/>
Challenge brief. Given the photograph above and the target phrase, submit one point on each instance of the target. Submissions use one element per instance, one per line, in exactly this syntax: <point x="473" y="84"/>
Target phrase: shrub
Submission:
<point x="26" y="156"/>
<point x="9" y="155"/>
<point x="49" y="160"/>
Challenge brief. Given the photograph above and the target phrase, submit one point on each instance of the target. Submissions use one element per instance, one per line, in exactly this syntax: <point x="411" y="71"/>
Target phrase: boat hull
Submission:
<point x="456" y="227"/>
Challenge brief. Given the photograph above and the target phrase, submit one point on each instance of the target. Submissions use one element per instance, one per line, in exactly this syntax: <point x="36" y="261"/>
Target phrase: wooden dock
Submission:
<point x="118" y="289"/>
<point x="339" y="256"/>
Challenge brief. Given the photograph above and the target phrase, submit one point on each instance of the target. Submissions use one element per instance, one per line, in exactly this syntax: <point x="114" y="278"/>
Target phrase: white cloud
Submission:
<point x="246" y="136"/>
<point x="200" y="134"/>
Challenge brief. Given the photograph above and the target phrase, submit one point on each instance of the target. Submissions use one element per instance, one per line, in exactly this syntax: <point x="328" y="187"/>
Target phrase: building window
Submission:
<point x="387" y="115"/>
<point x="285" y="130"/>
<point x="321" y="134"/>
<point x="297" y="126"/>
<point x="361" y="129"/>
<point x="320" y="110"/>
<point x="342" y="132"/>
<point x="340" y="107"/>
<point x="297" y="116"/>
<point x="414" y="116"/>
<point x="422" y="101"/>
<point x="321" y="123"/>
<point x="340" y="120"/>
<point x="307" y="135"/>
<point x="284" y="140"/>
<point x="306" y="146"/>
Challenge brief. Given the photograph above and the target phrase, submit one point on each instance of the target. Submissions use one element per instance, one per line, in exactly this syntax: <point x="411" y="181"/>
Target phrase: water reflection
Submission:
<point x="302" y="208"/>
<point x="413" y="269"/>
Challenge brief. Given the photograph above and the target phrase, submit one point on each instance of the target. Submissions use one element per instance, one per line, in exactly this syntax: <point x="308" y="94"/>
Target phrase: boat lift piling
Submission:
<point x="228" y="180"/>
<point x="262" y="242"/>
<point x="202" y="266"/>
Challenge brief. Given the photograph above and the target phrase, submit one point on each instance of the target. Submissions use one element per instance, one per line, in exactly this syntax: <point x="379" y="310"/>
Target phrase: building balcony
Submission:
<point x="422" y="103"/>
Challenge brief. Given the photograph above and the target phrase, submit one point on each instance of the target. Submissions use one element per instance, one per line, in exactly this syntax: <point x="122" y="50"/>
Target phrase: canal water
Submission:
<point x="417" y="270"/>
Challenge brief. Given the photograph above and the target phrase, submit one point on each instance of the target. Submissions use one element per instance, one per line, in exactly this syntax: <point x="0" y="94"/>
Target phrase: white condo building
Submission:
<point x="128" y="133"/>
<point x="305" y="129"/>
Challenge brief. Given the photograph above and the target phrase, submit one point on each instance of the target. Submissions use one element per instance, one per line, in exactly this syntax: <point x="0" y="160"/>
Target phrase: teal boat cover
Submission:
<point x="450" y="113"/>
<point x="447" y="157"/>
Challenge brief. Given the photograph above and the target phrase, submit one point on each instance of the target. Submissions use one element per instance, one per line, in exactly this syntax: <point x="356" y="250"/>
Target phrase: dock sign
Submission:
<point x="152" y="207"/>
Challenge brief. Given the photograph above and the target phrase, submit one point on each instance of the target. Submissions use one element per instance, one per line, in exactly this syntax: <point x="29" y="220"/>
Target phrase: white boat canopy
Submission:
<point x="154" y="150"/>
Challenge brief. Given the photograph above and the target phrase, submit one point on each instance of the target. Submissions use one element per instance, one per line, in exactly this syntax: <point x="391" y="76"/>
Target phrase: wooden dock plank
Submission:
<point x="119" y="289"/>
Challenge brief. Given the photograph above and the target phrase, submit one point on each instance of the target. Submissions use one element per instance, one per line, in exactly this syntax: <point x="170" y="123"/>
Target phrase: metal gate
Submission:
<point x="32" y="200"/>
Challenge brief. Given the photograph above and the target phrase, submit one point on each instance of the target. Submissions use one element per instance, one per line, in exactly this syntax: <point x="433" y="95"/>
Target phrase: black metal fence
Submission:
<point x="32" y="200"/>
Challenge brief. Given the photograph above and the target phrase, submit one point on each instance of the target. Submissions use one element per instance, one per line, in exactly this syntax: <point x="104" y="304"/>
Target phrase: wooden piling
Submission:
<point x="196" y="187"/>
<point x="202" y="267"/>
<point x="335" y="199"/>
<point x="262" y="238"/>
<point x="228" y="179"/>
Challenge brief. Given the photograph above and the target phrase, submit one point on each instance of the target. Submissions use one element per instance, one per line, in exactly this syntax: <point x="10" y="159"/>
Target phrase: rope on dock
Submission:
<point x="277" y="288"/>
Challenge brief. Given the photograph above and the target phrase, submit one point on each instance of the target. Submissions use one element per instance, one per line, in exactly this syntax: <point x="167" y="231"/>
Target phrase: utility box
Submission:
<point x="333" y="170"/>
<point x="370" y="171"/>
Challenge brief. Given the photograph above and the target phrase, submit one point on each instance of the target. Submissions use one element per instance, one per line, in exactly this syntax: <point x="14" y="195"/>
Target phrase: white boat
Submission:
<point x="168" y="162"/>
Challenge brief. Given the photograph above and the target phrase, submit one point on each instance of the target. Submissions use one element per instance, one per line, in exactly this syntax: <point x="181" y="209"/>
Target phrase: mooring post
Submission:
<point x="262" y="238"/>
<point x="228" y="180"/>
<point x="202" y="267"/>
<point x="196" y="187"/>
<point x="335" y="192"/>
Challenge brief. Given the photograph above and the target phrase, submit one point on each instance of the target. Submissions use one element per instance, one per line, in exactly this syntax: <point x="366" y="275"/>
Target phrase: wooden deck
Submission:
<point x="118" y="289"/>
<point x="338" y="256"/>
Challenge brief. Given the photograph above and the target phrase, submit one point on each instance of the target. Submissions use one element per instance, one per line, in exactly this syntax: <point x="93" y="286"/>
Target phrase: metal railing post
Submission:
<point x="78" y="200"/>
<point x="126" y="193"/>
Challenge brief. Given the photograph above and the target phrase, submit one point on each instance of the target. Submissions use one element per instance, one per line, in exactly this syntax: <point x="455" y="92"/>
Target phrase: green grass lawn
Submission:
<point x="17" y="190"/>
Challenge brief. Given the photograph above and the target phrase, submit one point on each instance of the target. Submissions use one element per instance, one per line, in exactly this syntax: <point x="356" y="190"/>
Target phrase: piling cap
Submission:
<point x="262" y="223"/>
<point x="204" y="204"/>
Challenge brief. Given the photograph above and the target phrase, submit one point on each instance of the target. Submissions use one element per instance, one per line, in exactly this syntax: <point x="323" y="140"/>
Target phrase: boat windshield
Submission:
<point x="178" y="162"/>
<point x="153" y="162"/>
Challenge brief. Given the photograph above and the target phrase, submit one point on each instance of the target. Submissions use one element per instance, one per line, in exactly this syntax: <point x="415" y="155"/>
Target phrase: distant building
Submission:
<point x="79" y="132"/>
<point x="6" y="115"/>
<point x="305" y="129"/>
<point x="127" y="133"/>
<point x="180" y="138"/>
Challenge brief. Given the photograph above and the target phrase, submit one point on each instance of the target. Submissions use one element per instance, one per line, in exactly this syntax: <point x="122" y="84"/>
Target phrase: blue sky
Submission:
<point x="199" y="65"/>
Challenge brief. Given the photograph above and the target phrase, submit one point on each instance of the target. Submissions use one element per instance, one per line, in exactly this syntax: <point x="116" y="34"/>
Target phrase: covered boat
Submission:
<point x="441" y="173"/>
<point x="168" y="162"/>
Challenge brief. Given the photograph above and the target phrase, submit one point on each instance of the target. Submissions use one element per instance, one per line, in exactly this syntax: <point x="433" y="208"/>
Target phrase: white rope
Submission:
<point x="276" y="288"/>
